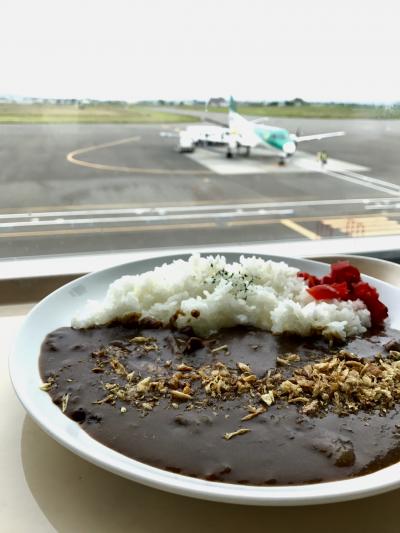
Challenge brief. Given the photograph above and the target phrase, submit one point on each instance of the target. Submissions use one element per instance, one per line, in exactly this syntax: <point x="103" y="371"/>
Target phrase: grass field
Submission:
<point x="94" y="113"/>
<point x="333" y="111"/>
<point x="141" y="114"/>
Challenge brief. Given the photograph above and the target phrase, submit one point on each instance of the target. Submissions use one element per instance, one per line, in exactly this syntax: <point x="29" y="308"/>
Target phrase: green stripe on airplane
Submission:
<point x="276" y="138"/>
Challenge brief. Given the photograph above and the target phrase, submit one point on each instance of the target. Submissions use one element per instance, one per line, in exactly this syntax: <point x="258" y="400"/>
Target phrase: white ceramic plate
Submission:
<point x="57" y="309"/>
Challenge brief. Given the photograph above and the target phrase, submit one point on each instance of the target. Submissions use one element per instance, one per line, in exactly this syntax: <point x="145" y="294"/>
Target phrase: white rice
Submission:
<point x="254" y="292"/>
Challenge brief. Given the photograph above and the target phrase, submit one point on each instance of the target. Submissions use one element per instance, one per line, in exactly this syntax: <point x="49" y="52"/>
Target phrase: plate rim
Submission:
<point x="108" y="459"/>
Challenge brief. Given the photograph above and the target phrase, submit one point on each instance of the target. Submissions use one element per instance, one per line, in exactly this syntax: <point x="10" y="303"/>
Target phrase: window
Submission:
<point x="96" y="100"/>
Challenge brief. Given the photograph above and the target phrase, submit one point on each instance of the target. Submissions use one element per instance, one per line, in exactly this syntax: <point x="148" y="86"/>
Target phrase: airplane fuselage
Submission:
<point x="248" y="134"/>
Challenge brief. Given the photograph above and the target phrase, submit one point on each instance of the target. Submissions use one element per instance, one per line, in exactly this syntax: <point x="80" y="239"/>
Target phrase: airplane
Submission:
<point x="244" y="133"/>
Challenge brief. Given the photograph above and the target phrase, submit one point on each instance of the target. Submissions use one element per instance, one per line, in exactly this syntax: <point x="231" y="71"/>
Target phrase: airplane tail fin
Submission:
<point x="232" y="104"/>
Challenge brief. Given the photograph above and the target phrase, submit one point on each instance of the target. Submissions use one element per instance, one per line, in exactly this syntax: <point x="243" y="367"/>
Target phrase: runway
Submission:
<point x="80" y="188"/>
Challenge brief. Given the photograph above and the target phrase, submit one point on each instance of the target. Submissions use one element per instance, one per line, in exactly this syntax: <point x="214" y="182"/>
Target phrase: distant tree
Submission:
<point x="254" y="104"/>
<point x="161" y="102"/>
<point x="295" y="102"/>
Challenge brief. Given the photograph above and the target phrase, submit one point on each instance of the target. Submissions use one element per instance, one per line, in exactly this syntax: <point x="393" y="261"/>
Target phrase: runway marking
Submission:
<point x="368" y="203"/>
<point x="300" y="229"/>
<point x="224" y="215"/>
<point x="122" y="229"/>
<point x="259" y="222"/>
<point x="383" y="206"/>
<point x="293" y="224"/>
<point x="371" y="179"/>
<point x="130" y="205"/>
<point x="362" y="183"/>
<point x="71" y="158"/>
<point x="354" y="177"/>
<point x="364" y="226"/>
<point x="147" y="205"/>
<point x="147" y="218"/>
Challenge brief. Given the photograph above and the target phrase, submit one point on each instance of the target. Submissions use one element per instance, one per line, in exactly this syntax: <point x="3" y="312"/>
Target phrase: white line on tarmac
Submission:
<point x="197" y="208"/>
<point x="344" y="176"/>
<point x="158" y="218"/>
<point x="350" y="176"/>
<point x="383" y="206"/>
<point x="365" y="181"/>
<point x="378" y="181"/>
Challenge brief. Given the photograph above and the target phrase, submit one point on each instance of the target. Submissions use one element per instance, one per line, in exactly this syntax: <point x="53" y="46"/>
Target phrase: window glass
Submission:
<point x="133" y="125"/>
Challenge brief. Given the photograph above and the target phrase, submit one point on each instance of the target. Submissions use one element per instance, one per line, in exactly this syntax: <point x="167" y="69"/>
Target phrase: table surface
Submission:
<point x="45" y="487"/>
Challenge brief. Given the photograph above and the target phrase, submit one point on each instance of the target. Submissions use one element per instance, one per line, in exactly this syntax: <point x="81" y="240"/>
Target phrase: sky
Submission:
<point x="341" y="50"/>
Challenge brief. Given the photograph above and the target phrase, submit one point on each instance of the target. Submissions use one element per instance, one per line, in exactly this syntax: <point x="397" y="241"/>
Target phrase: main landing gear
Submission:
<point x="229" y="152"/>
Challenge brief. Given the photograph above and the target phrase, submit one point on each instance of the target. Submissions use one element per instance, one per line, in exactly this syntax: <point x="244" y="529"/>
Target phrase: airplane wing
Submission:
<point x="317" y="136"/>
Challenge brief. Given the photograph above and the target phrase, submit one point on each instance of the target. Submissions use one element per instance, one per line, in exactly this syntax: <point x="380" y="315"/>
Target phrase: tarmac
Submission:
<point x="81" y="188"/>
